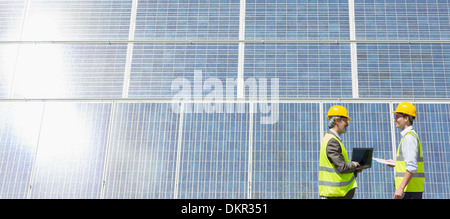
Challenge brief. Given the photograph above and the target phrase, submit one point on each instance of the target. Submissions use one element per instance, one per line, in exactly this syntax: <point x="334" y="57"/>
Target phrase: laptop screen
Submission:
<point x="363" y="156"/>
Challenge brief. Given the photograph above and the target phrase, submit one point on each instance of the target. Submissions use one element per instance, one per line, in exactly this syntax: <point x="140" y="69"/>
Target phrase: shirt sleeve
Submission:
<point x="409" y="150"/>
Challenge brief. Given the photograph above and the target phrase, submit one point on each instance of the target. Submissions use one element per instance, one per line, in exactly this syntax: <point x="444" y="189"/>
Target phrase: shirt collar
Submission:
<point x="406" y="130"/>
<point x="336" y="134"/>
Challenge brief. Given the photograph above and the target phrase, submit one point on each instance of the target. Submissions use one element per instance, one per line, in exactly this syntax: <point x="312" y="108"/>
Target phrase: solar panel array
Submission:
<point x="140" y="98"/>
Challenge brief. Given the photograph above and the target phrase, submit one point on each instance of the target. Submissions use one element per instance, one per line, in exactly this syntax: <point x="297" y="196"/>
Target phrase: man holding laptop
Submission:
<point x="337" y="174"/>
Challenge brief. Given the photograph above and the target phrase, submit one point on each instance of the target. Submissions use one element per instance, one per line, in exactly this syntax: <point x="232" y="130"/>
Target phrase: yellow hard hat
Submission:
<point x="406" y="108"/>
<point x="337" y="110"/>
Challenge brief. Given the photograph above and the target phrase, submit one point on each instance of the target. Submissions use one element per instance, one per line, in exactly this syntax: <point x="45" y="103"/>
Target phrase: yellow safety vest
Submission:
<point x="331" y="182"/>
<point x="418" y="179"/>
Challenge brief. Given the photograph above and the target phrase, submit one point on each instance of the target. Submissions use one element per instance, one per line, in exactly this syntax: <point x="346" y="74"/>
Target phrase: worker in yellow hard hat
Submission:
<point x="409" y="168"/>
<point x="337" y="174"/>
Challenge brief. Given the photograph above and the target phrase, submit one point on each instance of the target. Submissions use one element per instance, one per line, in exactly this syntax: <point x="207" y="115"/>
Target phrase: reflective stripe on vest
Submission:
<point x="418" y="179"/>
<point x="331" y="182"/>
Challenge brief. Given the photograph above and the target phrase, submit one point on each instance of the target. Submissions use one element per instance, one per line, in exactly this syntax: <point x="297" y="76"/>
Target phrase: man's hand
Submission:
<point x="357" y="165"/>
<point x="398" y="193"/>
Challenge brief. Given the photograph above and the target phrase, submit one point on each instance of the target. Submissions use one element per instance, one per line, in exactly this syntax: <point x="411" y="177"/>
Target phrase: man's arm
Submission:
<point x="334" y="154"/>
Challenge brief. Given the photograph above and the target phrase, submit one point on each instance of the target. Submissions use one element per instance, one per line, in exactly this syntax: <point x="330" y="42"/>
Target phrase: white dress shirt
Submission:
<point x="409" y="150"/>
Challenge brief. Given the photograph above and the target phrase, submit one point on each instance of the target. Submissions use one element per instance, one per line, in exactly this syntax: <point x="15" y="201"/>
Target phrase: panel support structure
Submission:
<point x="321" y="126"/>
<point x="241" y="58"/>
<point x="33" y="167"/>
<point x="391" y="117"/>
<point x="180" y="141"/>
<point x="108" y="145"/>
<point x="250" y="150"/>
<point x="353" y="51"/>
<point x="129" y="58"/>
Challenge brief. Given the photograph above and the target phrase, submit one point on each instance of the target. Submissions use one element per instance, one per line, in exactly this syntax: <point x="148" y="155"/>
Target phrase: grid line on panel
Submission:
<point x="113" y="42"/>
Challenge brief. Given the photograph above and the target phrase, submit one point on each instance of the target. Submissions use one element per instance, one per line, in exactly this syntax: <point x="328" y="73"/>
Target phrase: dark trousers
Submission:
<point x="412" y="195"/>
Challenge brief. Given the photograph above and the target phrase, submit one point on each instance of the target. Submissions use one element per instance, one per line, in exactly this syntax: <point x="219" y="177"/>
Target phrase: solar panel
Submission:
<point x="285" y="154"/>
<point x="68" y="71"/>
<point x="156" y="67"/>
<point x="19" y="134"/>
<point x="296" y="20"/>
<point x="142" y="153"/>
<point x="71" y="151"/>
<point x="7" y="58"/>
<point x="400" y="20"/>
<point x="77" y="20"/>
<point x="403" y="70"/>
<point x="303" y="70"/>
<point x="214" y="156"/>
<point x="10" y="22"/>
<point x="192" y="20"/>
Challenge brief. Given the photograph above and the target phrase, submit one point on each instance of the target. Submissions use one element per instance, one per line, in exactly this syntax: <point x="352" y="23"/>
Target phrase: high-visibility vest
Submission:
<point x="418" y="179"/>
<point x="331" y="182"/>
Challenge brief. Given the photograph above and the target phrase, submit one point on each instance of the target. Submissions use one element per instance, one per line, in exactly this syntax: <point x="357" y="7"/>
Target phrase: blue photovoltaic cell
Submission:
<point x="296" y="20"/>
<point x="402" y="20"/>
<point x="214" y="156"/>
<point x="19" y="134"/>
<point x="286" y="153"/>
<point x="77" y="20"/>
<point x="303" y="70"/>
<point x="404" y="70"/>
<point x="187" y="20"/>
<point x="157" y="66"/>
<point x="369" y="128"/>
<point x="142" y="154"/>
<point x="431" y="126"/>
<point x="71" y="152"/>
